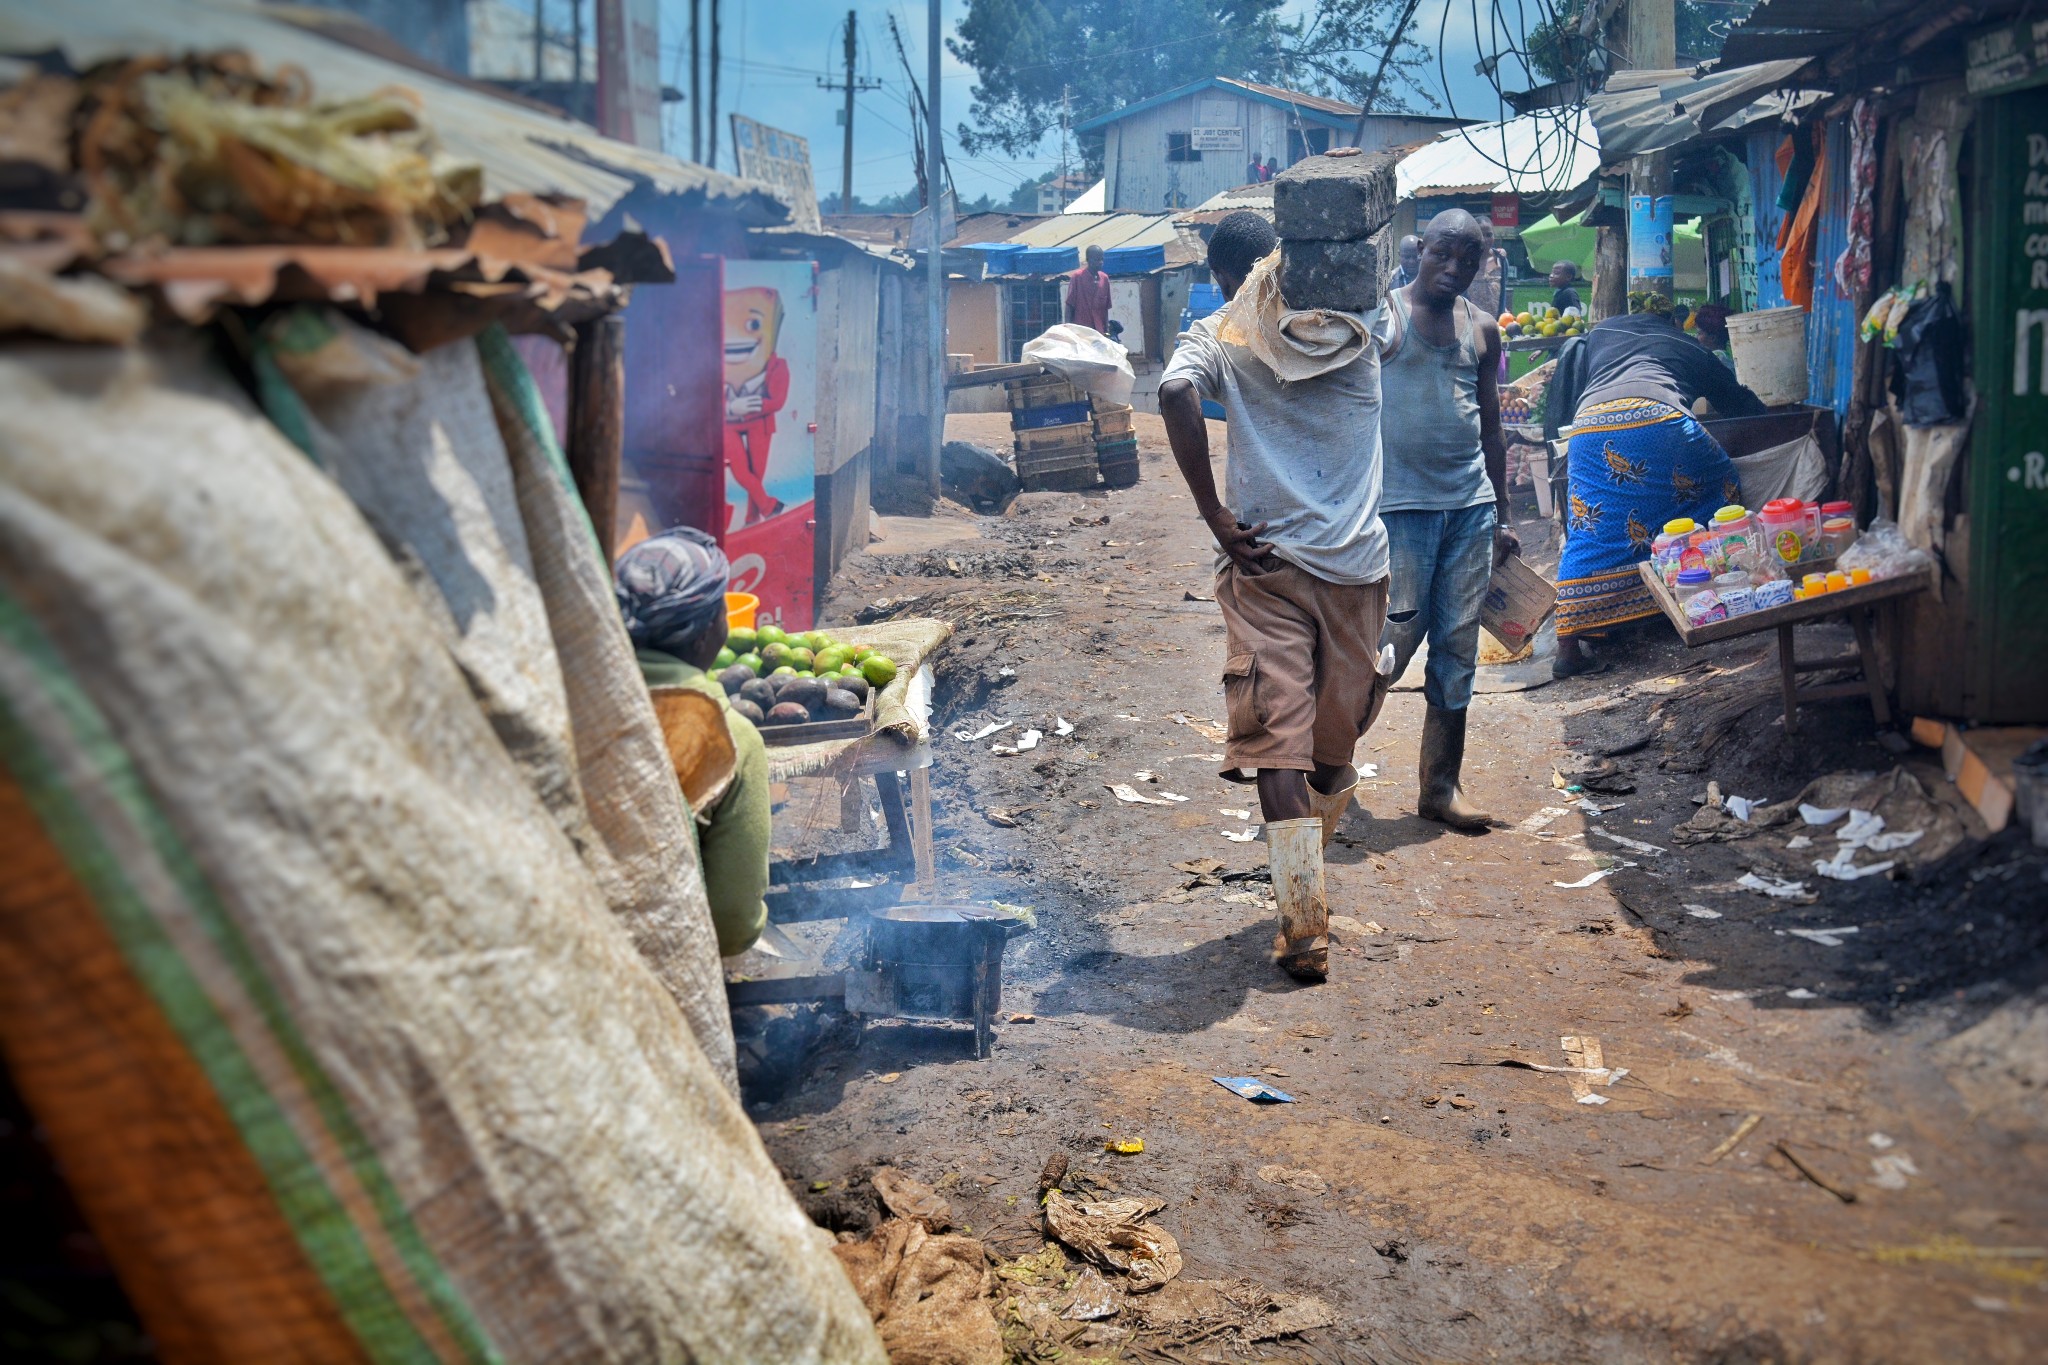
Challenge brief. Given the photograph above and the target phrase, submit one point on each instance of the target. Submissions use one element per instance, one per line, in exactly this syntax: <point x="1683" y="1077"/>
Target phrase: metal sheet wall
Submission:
<point x="1765" y="182"/>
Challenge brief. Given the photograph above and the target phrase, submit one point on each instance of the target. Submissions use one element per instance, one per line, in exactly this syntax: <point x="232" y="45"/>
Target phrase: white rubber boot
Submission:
<point x="1330" y="809"/>
<point x="1294" y="850"/>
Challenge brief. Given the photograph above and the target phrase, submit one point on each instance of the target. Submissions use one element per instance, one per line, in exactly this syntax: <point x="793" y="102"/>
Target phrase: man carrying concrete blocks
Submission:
<point x="1301" y="580"/>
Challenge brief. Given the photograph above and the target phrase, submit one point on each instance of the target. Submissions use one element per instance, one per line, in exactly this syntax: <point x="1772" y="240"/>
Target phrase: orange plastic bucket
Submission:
<point x="739" y="610"/>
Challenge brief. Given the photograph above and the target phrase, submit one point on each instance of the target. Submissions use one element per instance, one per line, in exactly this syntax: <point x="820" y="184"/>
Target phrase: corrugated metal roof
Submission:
<point x="520" y="148"/>
<point x="1649" y="111"/>
<point x="1322" y="103"/>
<point x="1548" y="152"/>
<point x="1858" y="30"/>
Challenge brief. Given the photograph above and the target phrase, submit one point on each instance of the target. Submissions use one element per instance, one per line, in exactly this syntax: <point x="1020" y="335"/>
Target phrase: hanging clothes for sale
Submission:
<point x="1852" y="267"/>
<point x="1796" y="234"/>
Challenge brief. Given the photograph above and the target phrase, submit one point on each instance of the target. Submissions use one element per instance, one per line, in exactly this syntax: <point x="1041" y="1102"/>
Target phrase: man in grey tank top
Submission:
<point x="1444" y="501"/>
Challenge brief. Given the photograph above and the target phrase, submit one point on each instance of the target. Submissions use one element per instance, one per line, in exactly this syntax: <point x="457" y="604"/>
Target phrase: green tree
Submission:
<point x="1099" y="55"/>
<point x="1700" y="27"/>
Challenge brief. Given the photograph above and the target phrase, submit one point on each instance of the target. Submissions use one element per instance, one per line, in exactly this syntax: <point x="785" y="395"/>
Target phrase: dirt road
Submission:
<point x="1454" y="1208"/>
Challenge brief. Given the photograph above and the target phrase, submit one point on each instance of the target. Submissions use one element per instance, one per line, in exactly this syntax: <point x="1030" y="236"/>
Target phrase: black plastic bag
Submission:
<point x="1927" y="374"/>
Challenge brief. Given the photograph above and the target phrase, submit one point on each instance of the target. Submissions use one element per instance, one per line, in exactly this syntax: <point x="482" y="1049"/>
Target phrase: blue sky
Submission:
<point x="774" y="51"/>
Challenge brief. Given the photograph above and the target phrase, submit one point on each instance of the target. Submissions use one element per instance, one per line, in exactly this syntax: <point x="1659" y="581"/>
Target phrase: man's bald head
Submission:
<point x="1095" y="258"/>
<point x="1452" y="248"/>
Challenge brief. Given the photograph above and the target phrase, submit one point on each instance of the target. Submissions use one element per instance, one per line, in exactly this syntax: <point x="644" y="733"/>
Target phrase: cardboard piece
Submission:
<point x="1518" y="601"/>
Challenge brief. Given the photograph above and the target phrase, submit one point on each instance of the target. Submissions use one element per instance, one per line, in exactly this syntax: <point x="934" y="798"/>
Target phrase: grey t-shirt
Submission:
<point x="1434" y="462"/>
<point x="1304" y="457"/>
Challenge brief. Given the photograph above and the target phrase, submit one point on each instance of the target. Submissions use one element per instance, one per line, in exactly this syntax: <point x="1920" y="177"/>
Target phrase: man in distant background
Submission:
<point x="1088" y="293"/>
<point x="1489" y="287"/>
<point x="1563" y="276"/>
<point x="1252" y="174"/>
<point x="1411" y="253"/>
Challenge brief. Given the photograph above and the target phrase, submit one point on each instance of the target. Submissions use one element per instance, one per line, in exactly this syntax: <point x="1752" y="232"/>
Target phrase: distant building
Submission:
<point x="1176" y="150"/>
<point x="1055" y="194"/>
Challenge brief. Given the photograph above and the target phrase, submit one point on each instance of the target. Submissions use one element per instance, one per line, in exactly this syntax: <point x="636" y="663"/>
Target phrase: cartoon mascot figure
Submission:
<point x="756" y="387"/>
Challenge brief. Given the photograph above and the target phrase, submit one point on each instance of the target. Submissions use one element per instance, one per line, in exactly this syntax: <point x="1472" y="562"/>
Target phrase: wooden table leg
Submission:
<point x="890" y="789"/>
<point x="921" y="828"/>
<point x="1789" y="675"/>
<point x="1866" y="646"/>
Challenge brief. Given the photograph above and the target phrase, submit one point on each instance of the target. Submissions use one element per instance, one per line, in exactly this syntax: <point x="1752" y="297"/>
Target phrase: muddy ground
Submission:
<point x="1467" y="1210"/>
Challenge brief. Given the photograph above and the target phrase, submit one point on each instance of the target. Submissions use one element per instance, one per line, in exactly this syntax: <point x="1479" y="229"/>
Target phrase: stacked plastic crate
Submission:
<point x="1053" y="425"/>
<point x="1116" y="444"/>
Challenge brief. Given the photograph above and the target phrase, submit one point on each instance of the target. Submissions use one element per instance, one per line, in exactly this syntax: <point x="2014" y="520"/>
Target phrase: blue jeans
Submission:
<point x="1442" y="562"/>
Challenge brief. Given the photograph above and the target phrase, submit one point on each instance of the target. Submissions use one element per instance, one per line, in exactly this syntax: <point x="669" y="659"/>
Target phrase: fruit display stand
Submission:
<point x="893" y="745"/>
<point x="1854" y="602"/>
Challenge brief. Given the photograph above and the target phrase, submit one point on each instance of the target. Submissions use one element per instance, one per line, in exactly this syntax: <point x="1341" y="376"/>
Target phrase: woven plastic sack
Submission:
<point x="451" y="458"/>
<point x="335" y="1033"/>
<point x="1086" y="359"/>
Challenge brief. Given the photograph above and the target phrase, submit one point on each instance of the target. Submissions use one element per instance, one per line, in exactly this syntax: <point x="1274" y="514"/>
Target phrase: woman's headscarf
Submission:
<point x="671" y="588"/>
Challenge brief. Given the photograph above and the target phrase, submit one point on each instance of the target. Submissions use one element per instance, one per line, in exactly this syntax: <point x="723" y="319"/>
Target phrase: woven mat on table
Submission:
<point x="910" y="642"/>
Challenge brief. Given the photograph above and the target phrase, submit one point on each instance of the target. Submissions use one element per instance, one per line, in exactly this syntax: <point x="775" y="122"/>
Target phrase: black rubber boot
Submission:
<point x="1443" y="754"/>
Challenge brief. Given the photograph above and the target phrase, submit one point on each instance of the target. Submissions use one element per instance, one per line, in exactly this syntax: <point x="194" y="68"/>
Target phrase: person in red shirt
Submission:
<point x="1088" y="293"/>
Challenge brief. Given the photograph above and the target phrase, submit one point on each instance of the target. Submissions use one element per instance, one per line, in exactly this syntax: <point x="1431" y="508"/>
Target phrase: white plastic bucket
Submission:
<point x="1770" y="353"/>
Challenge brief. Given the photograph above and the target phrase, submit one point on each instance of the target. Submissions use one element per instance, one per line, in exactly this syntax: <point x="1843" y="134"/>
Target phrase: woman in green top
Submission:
<point x="671" y="591"/>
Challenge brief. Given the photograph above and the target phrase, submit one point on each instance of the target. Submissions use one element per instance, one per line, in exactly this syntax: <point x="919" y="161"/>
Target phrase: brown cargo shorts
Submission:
<point x="1301" y="679"/>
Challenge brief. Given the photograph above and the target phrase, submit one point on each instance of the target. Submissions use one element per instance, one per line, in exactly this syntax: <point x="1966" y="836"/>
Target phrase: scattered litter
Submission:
<point x="1125" y="792"/>
<point x="1124" y="1146"/>
<point x="1200" y="867"/>
<point x="1846" y="1196"/>
<point x="889" y="1078"/>
<point x="1587" y="1067"/>
<point x="1742" y="807"/>
<point x="1728" y="1144"/>
<point x="1989" y="1304"/>
<point x="1889" y="1171"/>
<point x="1881" y="1142"/>
<point x="1113" y="1232"/>
<point x="1146" y="775"/>
<point x="1366" y="770"/>
<point x="1173" y="796"/>
<point x="1592" y="877"/>
<point x="994" y="727"/>
<point x="1797" y="842"/>
<point x="1349" y="929"/>
<point x="1540" y="819"/>
<point x="1062" y="726"/>
<point x="1253" y="1089"/>
<point x="1842" y="869"/>
<point x="1055" y="1171"/>
<point x="1635" y="845"/>
<point x="1094" y="1297"/>
<point x="1234" y="814"/>
<point x="1800" y="993"/>
<point x="1247" y="898"/>
<point x="1208" y="758"/>
<point x="905" y="1197"/>
<point x="1207" y="729"/>
<point x="1814" y="815"/>
<point x="1588" y="806"/>
<point x="1831" y="938"/>
<point x="1022" y="1017"/>
<point x="1701" y="911"/>
<point x="1196" y="597"/>
<point x="1006" y="672"/>
<point x="1304" y="1180"/>
<point x="1025" y="743"/>
<point x="1771" y="886"/>
<point x="1865" y="829"/>
<point x="1241" y="836"/>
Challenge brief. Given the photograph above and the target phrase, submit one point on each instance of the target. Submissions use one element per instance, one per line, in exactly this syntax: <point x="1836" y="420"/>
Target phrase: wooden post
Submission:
<point x="597" y="422"/>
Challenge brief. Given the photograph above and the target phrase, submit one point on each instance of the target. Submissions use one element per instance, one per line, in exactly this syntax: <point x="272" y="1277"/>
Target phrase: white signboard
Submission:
<point x="1217" y="139"/>
<point x="780" y="160"/>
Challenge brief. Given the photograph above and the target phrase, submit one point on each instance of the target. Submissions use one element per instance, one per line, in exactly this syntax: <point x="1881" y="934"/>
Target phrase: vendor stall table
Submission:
<point x="1855" y="603"/>
<point x="898" y="745"/>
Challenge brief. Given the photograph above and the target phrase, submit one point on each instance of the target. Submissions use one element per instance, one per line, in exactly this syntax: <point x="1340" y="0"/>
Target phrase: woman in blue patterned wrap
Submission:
<point x="1637" y="459"/>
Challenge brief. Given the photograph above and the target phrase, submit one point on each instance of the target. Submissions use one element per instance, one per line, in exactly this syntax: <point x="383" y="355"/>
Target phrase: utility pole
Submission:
<point x="853" y="83"/>
<point x="1641" y="35"/>
<point x="1060" y="195"/>
<point x="576" y="109"/>
<point x="935" y="276"/>
<point x="696" y="83"/>
<point x="711" y="110"/>
<point x="539" y="40"/>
